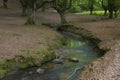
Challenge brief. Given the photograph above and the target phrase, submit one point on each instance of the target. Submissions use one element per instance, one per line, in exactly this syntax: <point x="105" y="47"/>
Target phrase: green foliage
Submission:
<point x="94" y="13"/>
<point x="105" y="2"/>
<point x="75" y="9"/>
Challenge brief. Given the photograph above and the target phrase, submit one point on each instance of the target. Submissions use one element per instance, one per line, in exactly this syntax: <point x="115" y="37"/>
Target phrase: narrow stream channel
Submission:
<point x="76" y="47"/>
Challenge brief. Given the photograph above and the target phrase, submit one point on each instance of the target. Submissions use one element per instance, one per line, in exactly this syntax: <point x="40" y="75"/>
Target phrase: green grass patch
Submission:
<point x="6" y="66"/>
<point x="88" y="12"/>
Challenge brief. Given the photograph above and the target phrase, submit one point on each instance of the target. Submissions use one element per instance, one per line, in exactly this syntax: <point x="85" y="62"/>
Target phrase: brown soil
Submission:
<point x="107" y="67"/>
<point x="14" y="36"/>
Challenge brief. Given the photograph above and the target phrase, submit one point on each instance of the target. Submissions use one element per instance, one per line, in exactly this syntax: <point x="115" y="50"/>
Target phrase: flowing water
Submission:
<point x="75" y="47"/>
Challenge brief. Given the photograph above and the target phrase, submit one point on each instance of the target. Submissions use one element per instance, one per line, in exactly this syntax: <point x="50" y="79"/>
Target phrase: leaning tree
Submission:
<point x="61" y="6"/>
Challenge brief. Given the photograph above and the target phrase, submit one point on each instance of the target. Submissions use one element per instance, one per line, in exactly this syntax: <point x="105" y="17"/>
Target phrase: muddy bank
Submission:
<point x="106" y="67"/>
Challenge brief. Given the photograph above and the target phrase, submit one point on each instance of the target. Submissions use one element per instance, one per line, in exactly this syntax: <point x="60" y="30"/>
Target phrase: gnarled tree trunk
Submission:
<point x="5" y="3"/>
<point x="63" y="19"/>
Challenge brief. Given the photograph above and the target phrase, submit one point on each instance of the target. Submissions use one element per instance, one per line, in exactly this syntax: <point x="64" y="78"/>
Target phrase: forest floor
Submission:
<point x="14" y="35"/>
<point x="27" y="45"/>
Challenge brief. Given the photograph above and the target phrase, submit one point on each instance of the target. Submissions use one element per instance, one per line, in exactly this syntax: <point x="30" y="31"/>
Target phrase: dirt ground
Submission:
<point x="13" y="36"/>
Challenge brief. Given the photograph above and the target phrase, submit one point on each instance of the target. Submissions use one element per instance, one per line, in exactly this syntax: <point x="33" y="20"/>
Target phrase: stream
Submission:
<point x="75" y="47"/>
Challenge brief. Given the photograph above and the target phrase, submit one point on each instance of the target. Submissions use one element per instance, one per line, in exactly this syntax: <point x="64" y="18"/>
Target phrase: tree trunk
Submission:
<point x="5" y="3"/>
<point x="31" y="17"/>
<point x="30" y="21"/>
<point x="105" y="12"/>
<point x="91" y="6"/>
<point x="91" y="12"/>
<point x="91" y="9"/>
<point x="63" y="19"/>
<point x="116" y="14"/>
<point x="43" y="8"/>
<point x="111" y="14"/>
<point x="24" y="13"/>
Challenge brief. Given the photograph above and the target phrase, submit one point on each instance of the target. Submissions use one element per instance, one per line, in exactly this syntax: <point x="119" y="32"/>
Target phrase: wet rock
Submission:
<point x="73" y="60"/>
<point x="58" y="61"/>
<point x="30" y="72"/>
<point x="40" y="71"/>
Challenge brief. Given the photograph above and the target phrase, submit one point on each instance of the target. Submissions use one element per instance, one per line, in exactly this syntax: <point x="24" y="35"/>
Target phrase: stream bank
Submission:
<point x="91" y="69"/>
<point x="107" y="67"/>
<point x="75" y="47"/>
<point x="26" y="46"/>
<point x="83" y="33"/>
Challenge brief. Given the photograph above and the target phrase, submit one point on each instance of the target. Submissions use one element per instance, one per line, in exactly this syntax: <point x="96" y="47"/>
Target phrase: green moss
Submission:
<point x="33" y="57"/>
<point x="47" y="55"/>
<point x="6" y="66"/>
<point x="25" y="63"/>
<point x="3" y="72"/>
<point x="2" y="68"/>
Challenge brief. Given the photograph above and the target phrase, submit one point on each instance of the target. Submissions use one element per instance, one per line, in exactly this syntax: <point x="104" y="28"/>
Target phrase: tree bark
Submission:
<point x="116" y="14"/>
<point x="91" y="11"/>
<point x="30" y="17"/>
<point x="43" y="8"/>
<point x="105" y="12"/>
<point x="111" y="14"/>
<point x="63" y="19"/>
<point x="5" y="3"/>
<point x="24" y="13"/>
<point x="91" y="6"/>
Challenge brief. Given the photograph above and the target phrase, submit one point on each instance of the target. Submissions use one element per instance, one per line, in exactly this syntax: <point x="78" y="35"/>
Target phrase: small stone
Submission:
<point x="73" y="60"/>
<point x="40" y="71"/>
<point x="58" y="61"/>
<point x="30" y="72"/>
